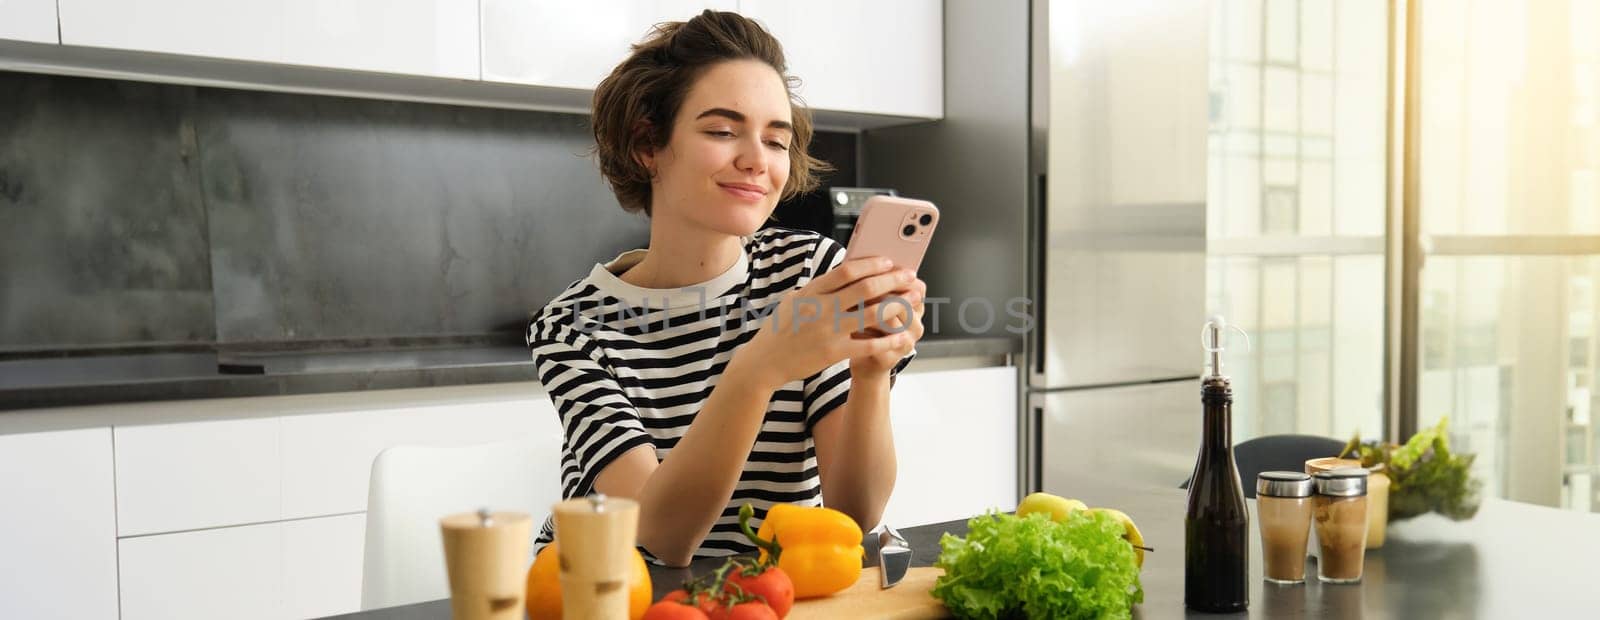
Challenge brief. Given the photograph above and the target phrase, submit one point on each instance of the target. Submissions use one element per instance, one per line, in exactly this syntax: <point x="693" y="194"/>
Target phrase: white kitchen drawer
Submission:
<point x="173" y="477"/>
<point x="272" y="571"/>
<point x="327" y="458"/>
<point x="879" y="57"/>
<point x="571" y="44"/>
<point x="955" y="435"/>
<point x="415" y="37"/>
<point x="322" y="566"/>
<point x="29" y="20"/>
<point x="58" y="554"/>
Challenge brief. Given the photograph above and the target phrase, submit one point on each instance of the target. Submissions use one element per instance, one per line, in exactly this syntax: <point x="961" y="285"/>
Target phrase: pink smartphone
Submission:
<point x="898" y="228"/>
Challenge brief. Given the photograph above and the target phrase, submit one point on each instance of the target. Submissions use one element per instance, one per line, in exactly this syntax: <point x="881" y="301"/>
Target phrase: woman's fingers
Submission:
<point x="874" y="287"/>
<point x="845" y="274"/>
<point x="865" y="347"/>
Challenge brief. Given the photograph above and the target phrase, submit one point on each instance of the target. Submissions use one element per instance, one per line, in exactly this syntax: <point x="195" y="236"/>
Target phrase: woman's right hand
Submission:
<point x="811" y="328"/>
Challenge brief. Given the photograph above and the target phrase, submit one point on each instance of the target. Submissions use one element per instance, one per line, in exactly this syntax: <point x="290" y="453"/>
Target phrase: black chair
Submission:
<point x="1277" y="453"/>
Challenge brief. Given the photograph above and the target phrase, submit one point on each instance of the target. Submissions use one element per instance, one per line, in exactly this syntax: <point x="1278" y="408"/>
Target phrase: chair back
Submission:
<point x="412" y="487"/>
<point x="1278" y="453"/>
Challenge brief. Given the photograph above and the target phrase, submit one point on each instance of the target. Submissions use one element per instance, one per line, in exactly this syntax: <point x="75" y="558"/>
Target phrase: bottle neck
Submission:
<point x="1217" y="396"/>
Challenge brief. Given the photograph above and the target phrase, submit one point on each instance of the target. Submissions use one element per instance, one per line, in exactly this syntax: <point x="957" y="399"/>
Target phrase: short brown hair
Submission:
<point x="634" y="106"/>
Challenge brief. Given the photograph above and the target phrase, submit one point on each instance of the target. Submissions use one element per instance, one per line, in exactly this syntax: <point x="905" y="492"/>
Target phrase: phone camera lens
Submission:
<point x="926" y="219"/>
<point x="909" y="230"/>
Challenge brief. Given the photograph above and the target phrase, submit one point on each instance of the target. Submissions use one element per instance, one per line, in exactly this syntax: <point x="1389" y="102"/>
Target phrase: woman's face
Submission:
<point x="728" y="159"/>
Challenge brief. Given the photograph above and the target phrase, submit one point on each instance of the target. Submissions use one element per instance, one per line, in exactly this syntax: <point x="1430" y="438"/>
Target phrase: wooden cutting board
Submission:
<point x="908" y="600"/>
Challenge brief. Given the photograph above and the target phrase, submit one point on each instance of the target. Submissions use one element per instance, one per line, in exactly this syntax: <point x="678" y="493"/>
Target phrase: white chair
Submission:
<point x="413" y="486"/>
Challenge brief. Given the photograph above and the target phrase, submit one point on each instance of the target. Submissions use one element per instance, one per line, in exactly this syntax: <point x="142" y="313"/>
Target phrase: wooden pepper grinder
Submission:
<point x="595" y="537"/>
<point x="486" y="558"/>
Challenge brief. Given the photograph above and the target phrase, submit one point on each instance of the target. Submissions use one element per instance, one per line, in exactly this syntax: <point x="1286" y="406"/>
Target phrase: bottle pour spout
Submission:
<point x="1212" y="341"/>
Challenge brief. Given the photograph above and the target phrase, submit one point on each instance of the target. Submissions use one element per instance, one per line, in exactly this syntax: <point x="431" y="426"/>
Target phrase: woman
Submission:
<point x="672" y="388"/>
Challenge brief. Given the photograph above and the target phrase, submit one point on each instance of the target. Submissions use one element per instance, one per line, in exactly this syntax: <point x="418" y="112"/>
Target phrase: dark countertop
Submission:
<point x="33" y="382"/>
<point x="1513" y="560"/>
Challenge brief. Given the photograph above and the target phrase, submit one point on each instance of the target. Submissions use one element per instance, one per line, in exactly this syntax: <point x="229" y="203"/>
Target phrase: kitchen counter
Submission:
<point x="34" y="382"/>
<point x="1513" y="560"/>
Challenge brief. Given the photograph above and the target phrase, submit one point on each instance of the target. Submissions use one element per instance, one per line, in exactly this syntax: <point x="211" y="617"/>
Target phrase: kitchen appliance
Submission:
<point x="847" y="203"/>
<point x="1117" y="156"/>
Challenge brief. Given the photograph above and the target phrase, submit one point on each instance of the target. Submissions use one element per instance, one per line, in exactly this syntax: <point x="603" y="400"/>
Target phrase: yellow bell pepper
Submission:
<point x="819" y="548"/>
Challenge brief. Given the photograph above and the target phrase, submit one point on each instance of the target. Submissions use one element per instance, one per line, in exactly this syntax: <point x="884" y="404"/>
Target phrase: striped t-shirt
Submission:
<point x="628" y="366"/>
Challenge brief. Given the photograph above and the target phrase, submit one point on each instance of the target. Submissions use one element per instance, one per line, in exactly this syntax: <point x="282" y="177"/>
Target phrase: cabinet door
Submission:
<point x="191" y="475"/>
<point x="229" y="572"/>
<point x="173" y="477"/>
<point x="571" y="44"/>
<point x="327" y="457"/>
<point x="880" y="57"/>
<point x="271" y="571"/>
<point x="58" y="536"/>
<point x="322" y="566"/>
<point x="29" y="20"/>
<point x="417" y="37"/>
<point x="413" y="37"/>
<point x="236" y="29"/>
<point x="955" y="437"/>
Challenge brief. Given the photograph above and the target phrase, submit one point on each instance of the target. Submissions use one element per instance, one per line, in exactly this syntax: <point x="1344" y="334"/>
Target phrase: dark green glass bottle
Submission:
<point x="1216" y="551"/>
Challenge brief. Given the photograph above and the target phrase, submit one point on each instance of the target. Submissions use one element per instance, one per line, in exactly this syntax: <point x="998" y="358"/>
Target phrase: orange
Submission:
<point x="544" y="586"/>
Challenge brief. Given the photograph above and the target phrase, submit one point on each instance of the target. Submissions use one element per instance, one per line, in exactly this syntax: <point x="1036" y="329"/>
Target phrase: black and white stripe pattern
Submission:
<point x="627" y="367"/>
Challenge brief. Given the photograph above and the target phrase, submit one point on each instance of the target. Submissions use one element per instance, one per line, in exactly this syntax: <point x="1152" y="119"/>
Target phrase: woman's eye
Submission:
<point x="720" y="133"/>
<point x="778" y="145"/>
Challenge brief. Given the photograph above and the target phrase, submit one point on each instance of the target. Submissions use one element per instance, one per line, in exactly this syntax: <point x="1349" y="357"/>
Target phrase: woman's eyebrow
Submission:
<point x="739" y="117"/>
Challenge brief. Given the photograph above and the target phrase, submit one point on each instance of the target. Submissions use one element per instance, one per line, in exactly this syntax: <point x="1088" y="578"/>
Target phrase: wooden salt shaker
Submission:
<point x="486" y="558"/>
<point x="595" y="537"/>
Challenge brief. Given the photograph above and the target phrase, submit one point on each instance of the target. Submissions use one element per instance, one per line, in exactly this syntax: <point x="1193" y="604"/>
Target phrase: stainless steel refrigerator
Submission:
<point x="1117" y="154"/>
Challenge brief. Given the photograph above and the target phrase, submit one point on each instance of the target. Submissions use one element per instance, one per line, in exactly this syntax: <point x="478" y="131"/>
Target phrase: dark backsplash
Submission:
<point x="147" y="215"/>
<point x="102" y="224"/>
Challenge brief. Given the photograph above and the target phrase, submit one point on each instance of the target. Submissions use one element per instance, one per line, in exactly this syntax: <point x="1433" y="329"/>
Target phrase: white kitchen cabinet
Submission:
<point x="416" y="37"/>
<point x="571" y="44"/>
<point x="327" y="458"/>
<point x="29" y="20"/>
<point x="270" y="571"/>
<point x="58" y="549"/>
<point x="263" y="517"/>
<point x="879" y="57"/>
<point x="322" y="566"/>
<point x="233" y="572"/>
<point x="955" y="435"/>
<point x="173" y="477"/>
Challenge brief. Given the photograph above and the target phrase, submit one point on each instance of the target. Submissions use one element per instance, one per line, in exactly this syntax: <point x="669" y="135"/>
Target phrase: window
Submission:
<point x="1296" y="210"/>
<point x="1508" y="212"/>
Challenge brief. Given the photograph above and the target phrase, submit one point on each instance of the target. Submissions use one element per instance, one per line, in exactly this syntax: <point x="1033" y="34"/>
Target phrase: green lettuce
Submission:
<point x="1426" y="476"/>
<point x="1032" y="567"/>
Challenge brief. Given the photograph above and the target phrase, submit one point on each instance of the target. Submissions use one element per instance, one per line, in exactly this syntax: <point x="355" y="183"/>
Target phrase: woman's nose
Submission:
<point x="751" y="156"/>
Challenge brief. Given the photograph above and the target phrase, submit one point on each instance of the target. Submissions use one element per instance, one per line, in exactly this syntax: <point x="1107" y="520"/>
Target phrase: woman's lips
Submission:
<point x="741" y="193"/>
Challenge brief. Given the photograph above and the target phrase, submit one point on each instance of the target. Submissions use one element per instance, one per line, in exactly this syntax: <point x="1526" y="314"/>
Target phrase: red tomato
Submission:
<point x="772" y="585"/>
<point x="704" y="602"/>
<point x="753" y="610"/>
<point x="667" y="609"/>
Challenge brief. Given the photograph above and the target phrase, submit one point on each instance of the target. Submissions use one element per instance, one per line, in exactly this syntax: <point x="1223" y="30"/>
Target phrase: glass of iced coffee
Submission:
<point x="1339" y="510"/>
<point x="1283" y="507"/>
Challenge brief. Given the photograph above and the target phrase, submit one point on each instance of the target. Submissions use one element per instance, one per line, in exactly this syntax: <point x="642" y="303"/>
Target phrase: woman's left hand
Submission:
<point x="896" y="319"/>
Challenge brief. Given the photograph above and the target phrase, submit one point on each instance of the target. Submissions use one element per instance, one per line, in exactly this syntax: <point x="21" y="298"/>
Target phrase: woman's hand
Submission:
<point x="815" y="327"/>
<point x="902" y="313"/>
